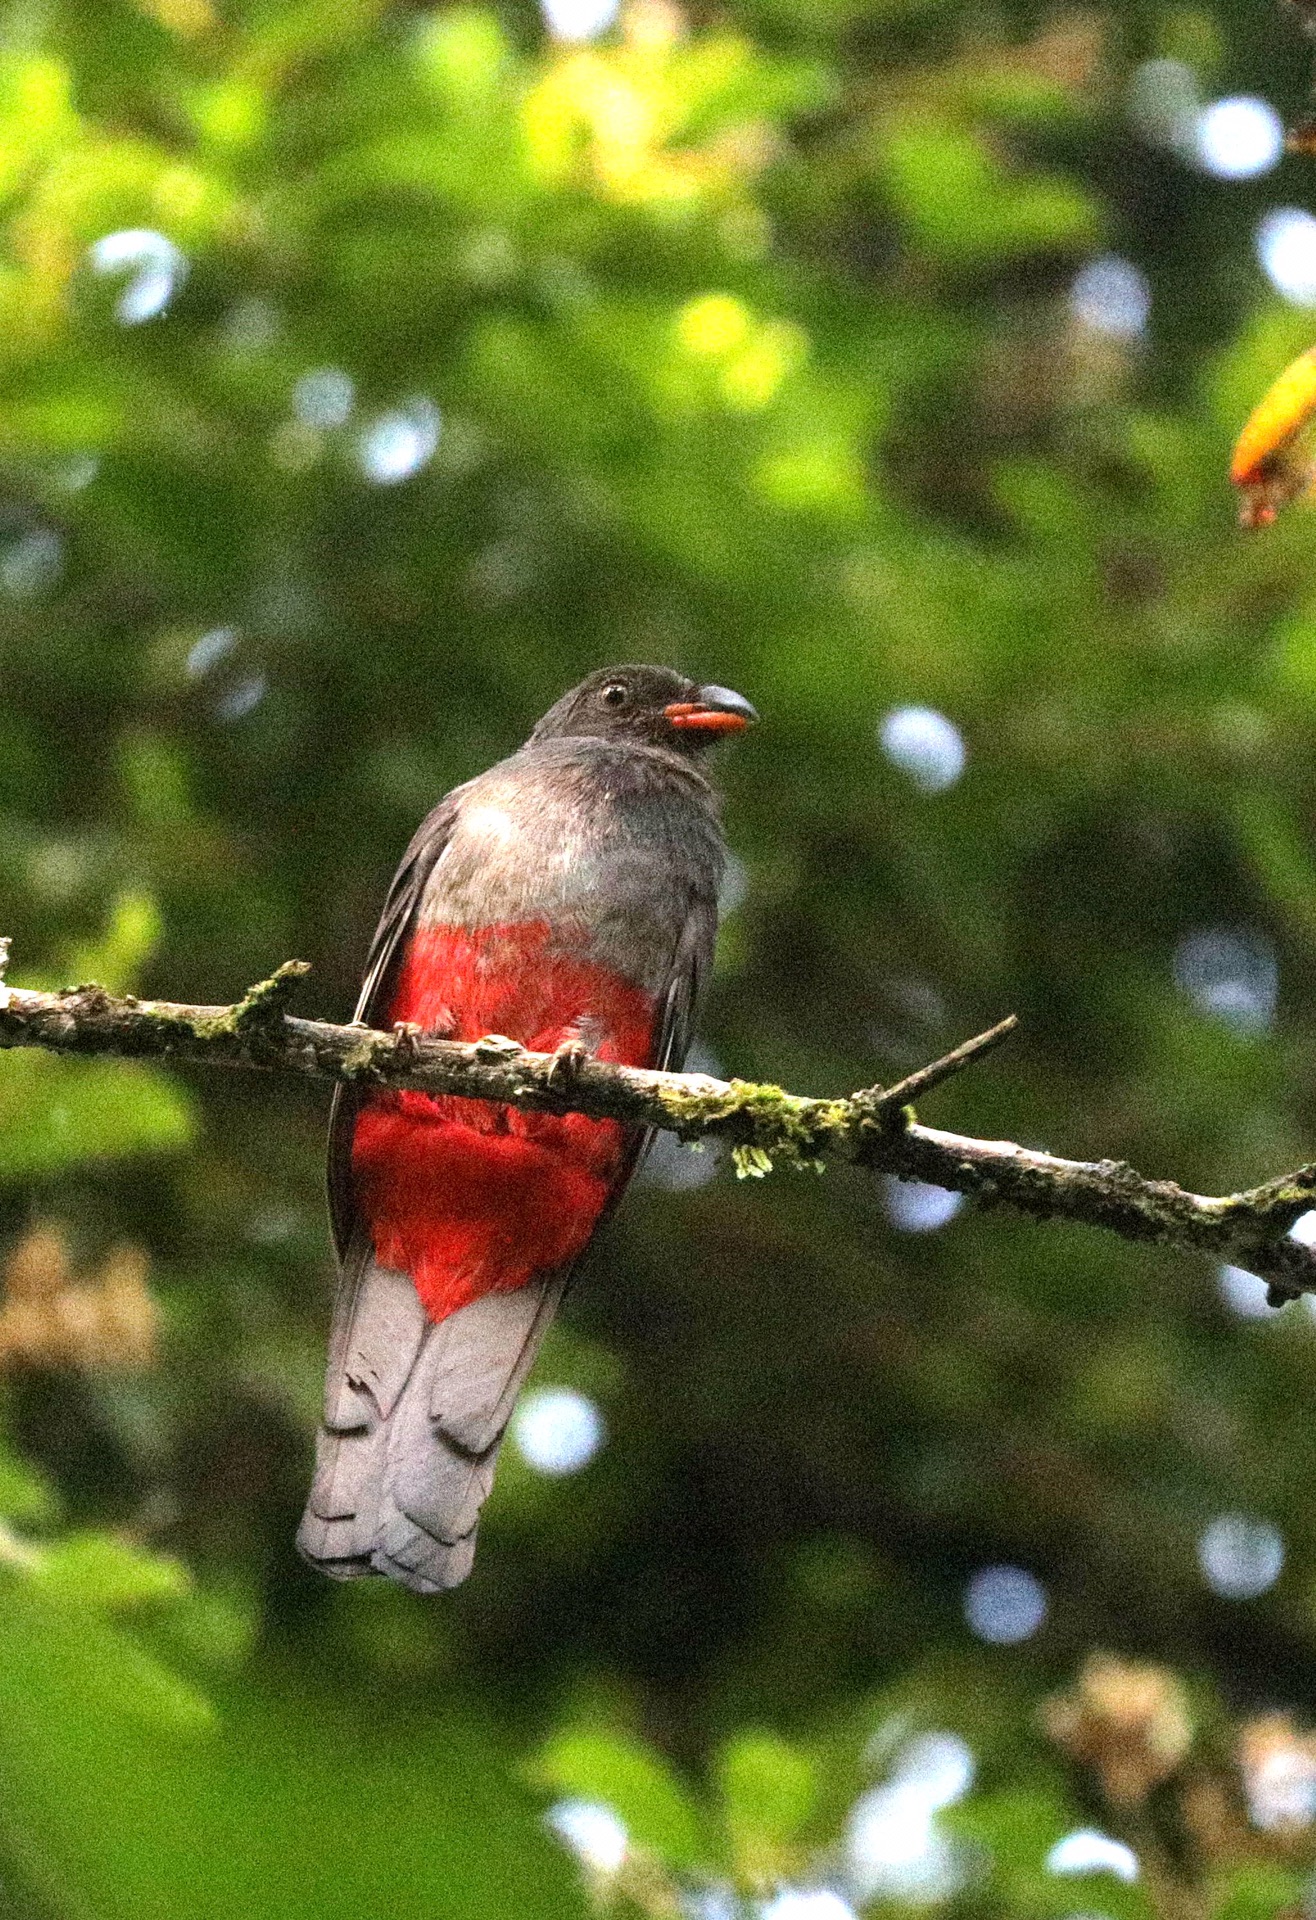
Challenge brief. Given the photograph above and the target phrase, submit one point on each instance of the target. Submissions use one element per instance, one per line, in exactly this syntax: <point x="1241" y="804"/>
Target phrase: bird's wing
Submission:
<point x="679" y="1000"/>
<point x="404" y="896"/>
<point x="692" y="963"/>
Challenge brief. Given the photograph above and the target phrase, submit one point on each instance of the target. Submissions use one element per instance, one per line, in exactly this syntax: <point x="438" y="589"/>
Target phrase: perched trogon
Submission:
<point x="568" y="899"/>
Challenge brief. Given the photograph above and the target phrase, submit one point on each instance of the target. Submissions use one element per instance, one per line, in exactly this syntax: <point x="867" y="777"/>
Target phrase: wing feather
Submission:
<point x="395" y="923"/>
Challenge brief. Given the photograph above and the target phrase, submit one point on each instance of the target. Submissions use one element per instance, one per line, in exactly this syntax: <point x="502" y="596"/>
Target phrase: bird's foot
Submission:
<point x="578" y="1045"/>
<point x="568" y="1057"/>
<point x="407" y="1037"/>
<point x="407" y="1034"/>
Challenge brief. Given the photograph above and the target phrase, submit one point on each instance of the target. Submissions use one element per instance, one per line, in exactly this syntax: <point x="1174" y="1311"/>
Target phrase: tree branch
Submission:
<point x="874" y="1128"/>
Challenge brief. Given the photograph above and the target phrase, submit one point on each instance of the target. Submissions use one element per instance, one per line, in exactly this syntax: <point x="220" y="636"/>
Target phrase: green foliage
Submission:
<point x="124" y="1796"/>
<point x="743" y="341"/>
<point x="56" y="1114"/>
<point x="963" y="212"/>
<point x="98" y="1571"/>
<point x="60" y="1114"/>
<point x="24" y="1496"/>
<point x="629" y="1777"/>
<point x="768" y="1791"/>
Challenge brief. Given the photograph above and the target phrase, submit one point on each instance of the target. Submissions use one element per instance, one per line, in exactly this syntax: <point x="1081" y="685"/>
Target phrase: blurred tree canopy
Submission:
<point x="369" y="373"/>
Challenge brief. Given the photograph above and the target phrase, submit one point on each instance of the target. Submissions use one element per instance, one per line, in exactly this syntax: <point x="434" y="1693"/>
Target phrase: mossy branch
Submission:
<point x="765" y="1126"/>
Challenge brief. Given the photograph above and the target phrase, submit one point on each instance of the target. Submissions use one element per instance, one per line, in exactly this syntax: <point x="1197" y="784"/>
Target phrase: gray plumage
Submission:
<point x="604" y="827"/>
<point x="414" y="1415"/>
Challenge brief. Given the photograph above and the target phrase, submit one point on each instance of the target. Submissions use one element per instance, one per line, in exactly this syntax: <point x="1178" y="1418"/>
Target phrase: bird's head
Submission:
<point x="652" y="706"/>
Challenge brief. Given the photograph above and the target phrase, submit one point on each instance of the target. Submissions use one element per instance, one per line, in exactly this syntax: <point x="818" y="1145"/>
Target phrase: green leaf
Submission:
<point x="629" y="1777"/>
<point x="130" y="938"/>
<point x="1017" y="1829"/>
<point x="768" y="1788"/>
<point x="1259" y="1891"/>
<point x="64" y="1668"/>
<point x="123" y="1798"/>
<point x="58" y="1113"/>
<point x="96" y="1570"/>
<point x="769" y="1791"/>
<point x="963" y="209"/>
<point x="24" y="1496"/>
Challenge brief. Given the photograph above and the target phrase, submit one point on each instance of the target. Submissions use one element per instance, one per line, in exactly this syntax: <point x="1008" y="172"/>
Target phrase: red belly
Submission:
<point x="469" y="1197"/>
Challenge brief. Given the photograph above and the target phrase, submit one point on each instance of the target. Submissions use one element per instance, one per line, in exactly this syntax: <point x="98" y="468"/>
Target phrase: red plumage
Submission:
<point x="467" y="1196"/>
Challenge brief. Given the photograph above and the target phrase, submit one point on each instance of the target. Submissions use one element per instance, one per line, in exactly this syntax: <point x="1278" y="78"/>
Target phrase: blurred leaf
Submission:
<point x="1261" y="1892"/>
<point x="964" y="210"/>
<point x="1018" y="1827"/>
<point x="122" y="1797"/>
<point x="768" y="1788"/>
<point x="98" y="1571"/>
<point x="629" y="1777"/>
<point x="24" y="1495"/>
<point x="58" y="1113"/>
<point x="768" y="1791"/>
<point x="115" y="960"/>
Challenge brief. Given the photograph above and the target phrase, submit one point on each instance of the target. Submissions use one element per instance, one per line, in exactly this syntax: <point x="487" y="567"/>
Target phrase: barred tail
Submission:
<point x="413" y="1419"/>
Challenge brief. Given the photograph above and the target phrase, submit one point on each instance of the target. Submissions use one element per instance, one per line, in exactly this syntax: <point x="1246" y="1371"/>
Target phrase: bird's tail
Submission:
<point x="413" y="1418"/>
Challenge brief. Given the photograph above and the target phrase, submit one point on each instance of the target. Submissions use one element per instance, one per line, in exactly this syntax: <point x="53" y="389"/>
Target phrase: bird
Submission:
<point x="567" y="899"/>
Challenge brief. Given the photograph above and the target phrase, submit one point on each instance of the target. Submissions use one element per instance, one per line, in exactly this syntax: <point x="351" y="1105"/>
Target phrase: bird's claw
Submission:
<point x="566" y="1061"/>
<point x="406" y="1038"/>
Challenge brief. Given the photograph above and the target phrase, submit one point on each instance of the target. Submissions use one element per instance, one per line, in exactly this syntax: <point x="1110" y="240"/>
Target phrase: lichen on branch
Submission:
<point x="874" y="1128"/>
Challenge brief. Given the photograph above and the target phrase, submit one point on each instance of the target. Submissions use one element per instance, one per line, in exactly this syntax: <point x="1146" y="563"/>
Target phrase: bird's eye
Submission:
<point x="614" y="696"/>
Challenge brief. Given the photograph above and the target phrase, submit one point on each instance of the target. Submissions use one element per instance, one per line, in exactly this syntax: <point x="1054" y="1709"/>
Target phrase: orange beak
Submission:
<point x="717" y="710"/>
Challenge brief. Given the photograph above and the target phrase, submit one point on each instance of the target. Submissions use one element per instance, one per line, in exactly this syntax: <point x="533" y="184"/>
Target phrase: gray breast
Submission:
<point x="614" y="848"/>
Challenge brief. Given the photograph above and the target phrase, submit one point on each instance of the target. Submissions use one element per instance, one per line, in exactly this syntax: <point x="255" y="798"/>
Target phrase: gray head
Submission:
<point x="651" y="706"/>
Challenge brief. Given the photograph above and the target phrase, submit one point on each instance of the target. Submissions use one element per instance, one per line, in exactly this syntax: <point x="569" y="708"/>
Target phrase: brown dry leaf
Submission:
<point x="107" y="1319"/>
<point x="1128" y="1722"/>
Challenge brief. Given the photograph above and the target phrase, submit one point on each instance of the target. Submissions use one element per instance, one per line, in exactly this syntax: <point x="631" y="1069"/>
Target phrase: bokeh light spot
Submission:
<point x="1087" y="1851"/>
<point x="77" y="473"/>
<point x="210" y="649"/>
<point x="713" y="324"/>
<point x="1238" y="138"/>
<point x="1279" y="1774"/>
<point x="1286" y="248"/>
<point x="579" y="19"/>
<point x="557" y="1430"/>
<point x="397" y="445"/>
<point x="1004" y="1605"/>
<point x="158" y="268"/>
<point x="801" y="1903"/>
<point x="893" y="1846"/>
<point x="1241" y="1556"/>
<point x="1165" y="104"/>
<point x="324" y="397"/>
<point x="242" y="699"/>
<point x="593" y="1832"/>
<point x="1245" y="1293"/>
<point x="680" y="1166"/>
<point x="1111" y="296"/>
<point x="937" y="1769"/>
<point x="915" y="1206"/>
<point x="924" y="744"/>
<point x="1229" y="974"/>
<point x="31" y="564"/>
